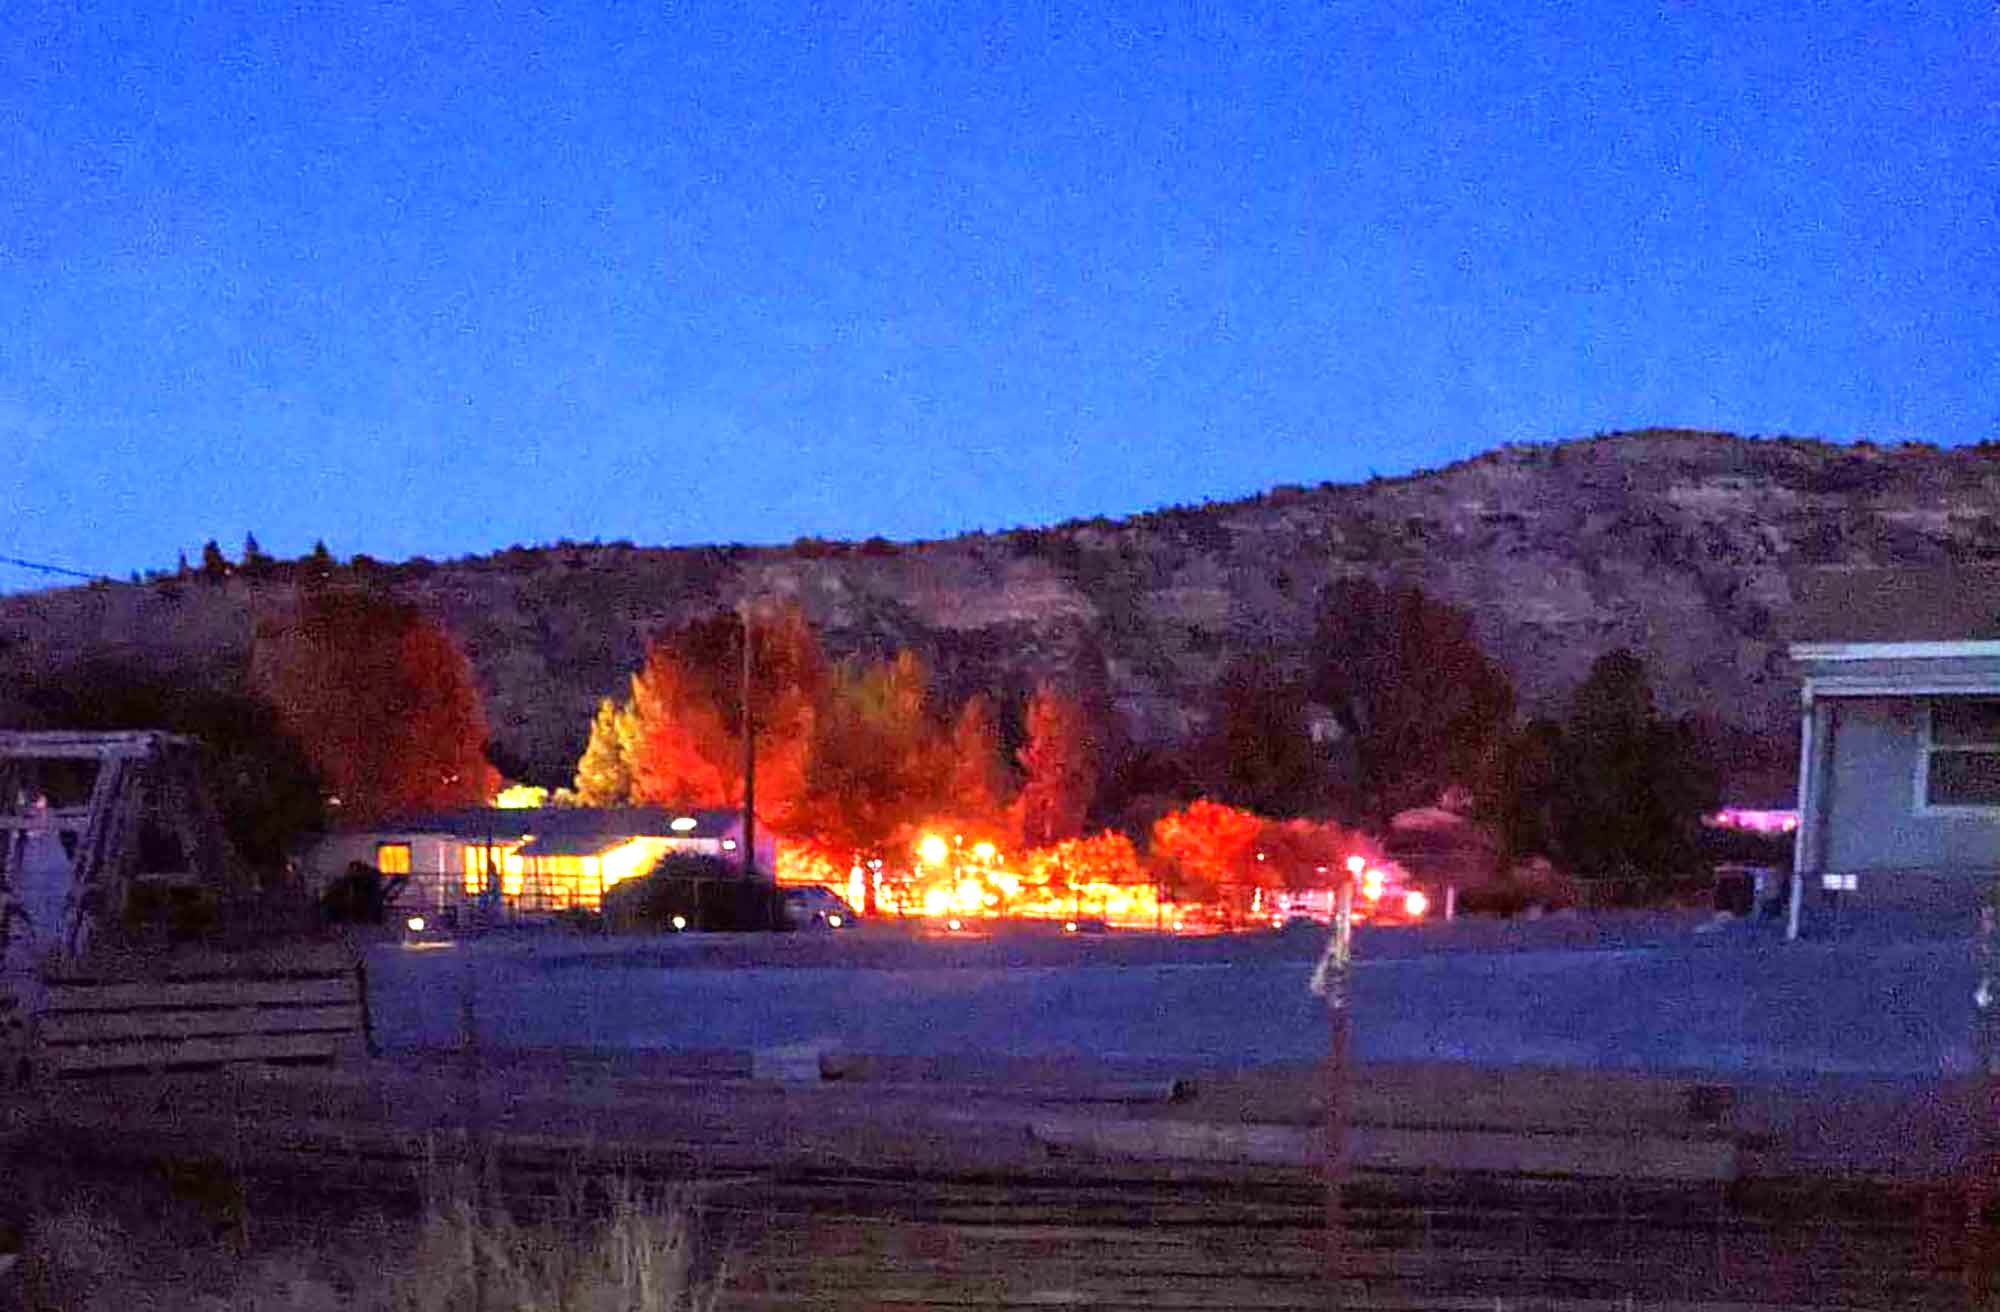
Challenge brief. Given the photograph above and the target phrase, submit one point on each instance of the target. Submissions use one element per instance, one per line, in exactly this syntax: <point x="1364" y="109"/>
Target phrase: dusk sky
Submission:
<point x="435" y="278"/>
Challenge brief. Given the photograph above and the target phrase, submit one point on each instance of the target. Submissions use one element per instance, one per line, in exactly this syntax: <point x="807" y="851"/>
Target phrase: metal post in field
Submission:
<point x="1332" y="980"/>
<point x="1983" y="1166"/>
<point x="749" y="758"/>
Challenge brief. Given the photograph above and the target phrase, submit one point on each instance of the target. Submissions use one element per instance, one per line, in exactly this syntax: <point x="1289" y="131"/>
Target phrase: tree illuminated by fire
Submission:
<point x="1061" y="767"/>
<point x="875" y="764"/>
<point x="676" y="738"/>
<point x="913" y="808"/>
<point x="380" y="698"/>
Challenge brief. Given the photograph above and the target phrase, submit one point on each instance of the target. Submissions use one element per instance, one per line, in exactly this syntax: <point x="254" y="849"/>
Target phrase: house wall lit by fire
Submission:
<point x="526" y="861"/>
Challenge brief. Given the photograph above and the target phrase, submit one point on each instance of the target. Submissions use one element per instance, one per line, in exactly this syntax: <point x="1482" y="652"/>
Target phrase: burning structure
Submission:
<point x="958" y="881"/>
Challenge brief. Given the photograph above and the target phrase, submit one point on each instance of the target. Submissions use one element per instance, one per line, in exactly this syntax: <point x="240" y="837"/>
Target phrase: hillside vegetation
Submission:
<point x="1688" y="548"/>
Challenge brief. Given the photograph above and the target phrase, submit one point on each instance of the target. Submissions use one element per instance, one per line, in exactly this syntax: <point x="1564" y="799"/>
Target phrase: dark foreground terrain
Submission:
<point x="872" y="1121"/>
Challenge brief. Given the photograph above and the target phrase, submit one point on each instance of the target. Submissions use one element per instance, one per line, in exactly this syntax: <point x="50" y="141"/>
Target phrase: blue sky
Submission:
<point x="436" y="277"/>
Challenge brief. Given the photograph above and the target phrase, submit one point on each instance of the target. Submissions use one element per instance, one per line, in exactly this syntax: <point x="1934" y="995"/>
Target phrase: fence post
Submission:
<point x="1985" y="1155"/>
<point x="1332" y="980"/>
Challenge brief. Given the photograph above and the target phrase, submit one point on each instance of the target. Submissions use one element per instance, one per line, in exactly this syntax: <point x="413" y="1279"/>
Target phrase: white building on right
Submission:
<point x="1899" y="742"/>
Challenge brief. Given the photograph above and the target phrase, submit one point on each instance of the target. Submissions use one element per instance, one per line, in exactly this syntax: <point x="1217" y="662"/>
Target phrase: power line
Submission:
<point x="48" y="569"/>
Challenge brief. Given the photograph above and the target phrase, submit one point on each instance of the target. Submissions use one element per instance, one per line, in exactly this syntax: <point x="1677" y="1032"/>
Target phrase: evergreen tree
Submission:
<point x="214" y="565"/>
<point x="1527" y="790"/>
<point x="981" y="784"/>
<point x="603" y="774"/>
<point x="255" y="564"/>
<point x="1630" y="784"/>
<point x="1060" y="761"/>
<point x="1423" y="705"/>
<point x="1267" y="761"/>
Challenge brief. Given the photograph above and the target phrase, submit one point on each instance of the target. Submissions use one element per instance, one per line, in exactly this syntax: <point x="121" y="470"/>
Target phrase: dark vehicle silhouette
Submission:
<point x="687" y="892"/>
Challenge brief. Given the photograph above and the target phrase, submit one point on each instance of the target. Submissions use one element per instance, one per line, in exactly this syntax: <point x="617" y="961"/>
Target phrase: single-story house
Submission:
<point x="1899" y="739"/>
<point x="526" y="861"/>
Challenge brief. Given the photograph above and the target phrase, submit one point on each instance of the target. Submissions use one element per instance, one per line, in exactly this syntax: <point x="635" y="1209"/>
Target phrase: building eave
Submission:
<point x="1835" y="686"/>
<point x="1893" y="651"/>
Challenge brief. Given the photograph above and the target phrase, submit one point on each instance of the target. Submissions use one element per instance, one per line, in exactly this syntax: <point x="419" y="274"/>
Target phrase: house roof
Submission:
<point x="569" y="824"/>
<point x="1434" y="829"/>
<point x="1954" y="604"/>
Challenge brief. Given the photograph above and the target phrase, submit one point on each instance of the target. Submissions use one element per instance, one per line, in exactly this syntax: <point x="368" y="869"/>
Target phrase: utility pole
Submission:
<point x="749" y="755"/>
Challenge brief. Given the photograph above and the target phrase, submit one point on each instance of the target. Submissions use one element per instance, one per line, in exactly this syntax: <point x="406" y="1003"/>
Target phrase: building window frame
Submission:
<point x="387" y="866"/>
<point x="1929" y="748"/>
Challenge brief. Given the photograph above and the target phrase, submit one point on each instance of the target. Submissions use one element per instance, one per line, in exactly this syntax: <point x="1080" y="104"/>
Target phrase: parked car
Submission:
<point x="816" y="906"/>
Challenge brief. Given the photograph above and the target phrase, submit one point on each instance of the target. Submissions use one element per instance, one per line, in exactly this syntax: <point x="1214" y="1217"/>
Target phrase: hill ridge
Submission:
<point x="1690" y="547"/>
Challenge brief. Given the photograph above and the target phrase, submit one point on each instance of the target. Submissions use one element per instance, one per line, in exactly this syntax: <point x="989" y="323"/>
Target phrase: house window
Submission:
<point x="392" y="858"/>
<point x="481" y="862"/>
<point x="1962" y="754"/>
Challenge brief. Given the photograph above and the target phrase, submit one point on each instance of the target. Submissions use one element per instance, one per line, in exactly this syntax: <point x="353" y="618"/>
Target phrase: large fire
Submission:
<point x="954" y="879"/>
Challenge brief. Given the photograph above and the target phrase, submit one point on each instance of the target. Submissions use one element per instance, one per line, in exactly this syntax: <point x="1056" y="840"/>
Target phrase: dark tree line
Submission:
<point x="351" y="706"/>
<point x="1420" y="715"/>
<point x="1616" y="789"/>
<point x="1393" y="704"/>
<point x="256" y="770"/>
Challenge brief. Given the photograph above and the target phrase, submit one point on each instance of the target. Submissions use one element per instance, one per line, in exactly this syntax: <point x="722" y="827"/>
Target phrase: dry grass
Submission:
<point x="617" y="1251"/>
<point x="639" y="1257"/>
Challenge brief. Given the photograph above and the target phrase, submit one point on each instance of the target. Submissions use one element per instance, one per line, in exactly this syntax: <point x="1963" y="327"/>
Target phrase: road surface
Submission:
<point x="1645" y="993"/>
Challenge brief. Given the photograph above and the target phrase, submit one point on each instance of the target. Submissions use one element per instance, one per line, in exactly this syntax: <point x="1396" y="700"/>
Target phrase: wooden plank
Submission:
<point x="76" y="746"/>
<point x="1526" y="1098"/>
<point x="98" y="1026"/>
<point x="209" y="993"/>
<point x="1373" y="1148"/>
<point x="1646" y="1157"/>
<point x="1441" y="1094"/>
<point x="194" y="1052"/>
<point x="1181" y="1141"/>
<point x="197" y="964"/>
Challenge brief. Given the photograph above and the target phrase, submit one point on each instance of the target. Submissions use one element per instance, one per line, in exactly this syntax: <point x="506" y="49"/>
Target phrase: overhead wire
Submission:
<point x="47" y="568"/>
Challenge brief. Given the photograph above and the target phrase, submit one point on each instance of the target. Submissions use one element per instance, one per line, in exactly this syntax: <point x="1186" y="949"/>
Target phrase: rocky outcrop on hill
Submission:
<point x="1688" y="547"/>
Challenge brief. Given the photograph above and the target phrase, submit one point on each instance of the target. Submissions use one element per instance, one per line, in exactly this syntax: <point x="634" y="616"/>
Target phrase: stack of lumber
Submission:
<point x="122" y="1012"/>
